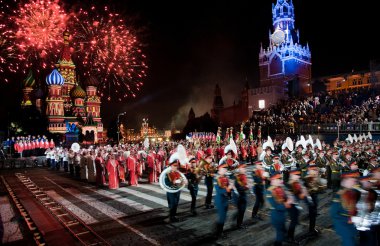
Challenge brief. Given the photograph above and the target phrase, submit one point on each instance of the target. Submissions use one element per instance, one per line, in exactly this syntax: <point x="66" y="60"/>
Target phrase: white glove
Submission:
<point x="323" y="169"/>
<point x="178" y="181"/>
<point x="365" y="173"/>
<point x="356" y="219"/>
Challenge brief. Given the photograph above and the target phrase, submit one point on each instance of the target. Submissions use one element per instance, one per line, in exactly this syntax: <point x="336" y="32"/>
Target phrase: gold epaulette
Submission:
<point x="347" y="215"/>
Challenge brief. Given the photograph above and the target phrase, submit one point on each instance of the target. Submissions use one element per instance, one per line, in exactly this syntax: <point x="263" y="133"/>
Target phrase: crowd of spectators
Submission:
<point x="359" y="107"/>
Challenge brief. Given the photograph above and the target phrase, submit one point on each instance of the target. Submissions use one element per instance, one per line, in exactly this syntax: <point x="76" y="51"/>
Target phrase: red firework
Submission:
<point x="108" y="50"/>
<point x="39" y="30"/>
<point x="8" y="52"/>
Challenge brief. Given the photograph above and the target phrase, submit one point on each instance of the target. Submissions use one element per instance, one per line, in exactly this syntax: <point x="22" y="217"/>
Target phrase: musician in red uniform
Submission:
<point x="132" y="170"/>
<point x="100" y="170"/>
<point x="152" y="167"/>
<point x="51" y="144"/>
<point x="112" y="168"/>
<point x="241" y="184"/>
<point x="174" y="180"/>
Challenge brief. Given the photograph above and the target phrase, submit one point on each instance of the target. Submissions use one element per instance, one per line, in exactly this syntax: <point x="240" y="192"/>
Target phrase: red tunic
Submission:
<point x="113" y="177"/>
<point x="121" y="169"/>
<point x="152" y="168"/>
<point x="99" y="165"/>
<point x="244" y="153"/>
<point x="132" y="169"/>
<point x="223" y="182"/>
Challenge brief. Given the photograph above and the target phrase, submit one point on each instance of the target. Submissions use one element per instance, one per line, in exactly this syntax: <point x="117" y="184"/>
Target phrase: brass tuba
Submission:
<point x="362" y="220"/>
<point x="174" y="188"/>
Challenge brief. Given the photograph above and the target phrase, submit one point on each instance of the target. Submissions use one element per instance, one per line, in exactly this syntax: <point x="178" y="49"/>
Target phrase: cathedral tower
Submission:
<point x="54" y="101"/>
<point x="66" y="68"/>
<point x="218" y="104"/>
<point x="285" y="59"/>
<point x="28" y="85"/>
<point x="93" y="104"/>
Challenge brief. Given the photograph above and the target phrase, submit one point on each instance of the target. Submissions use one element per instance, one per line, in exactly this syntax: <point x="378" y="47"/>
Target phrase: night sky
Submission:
<point x="192" y="45"/>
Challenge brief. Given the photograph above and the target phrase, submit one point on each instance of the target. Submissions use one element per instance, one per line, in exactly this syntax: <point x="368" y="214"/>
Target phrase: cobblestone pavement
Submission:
<point x="139" y="215"/>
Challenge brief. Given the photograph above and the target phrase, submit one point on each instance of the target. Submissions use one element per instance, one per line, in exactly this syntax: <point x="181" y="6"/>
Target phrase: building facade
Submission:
<point x="285" y="65"/>
<point x="284" y="70"/>
<point x="67" y="103"/>
<point x="351" y="81"/>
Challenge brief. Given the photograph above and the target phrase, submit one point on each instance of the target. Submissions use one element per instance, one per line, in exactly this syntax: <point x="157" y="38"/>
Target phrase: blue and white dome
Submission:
<point x="55" y="78"/>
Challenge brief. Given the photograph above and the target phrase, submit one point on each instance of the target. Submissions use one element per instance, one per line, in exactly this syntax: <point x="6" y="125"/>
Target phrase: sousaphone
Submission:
<point x="180" y="155"/>
<point x="75" y="147"/>
<point x="318" y="144"/>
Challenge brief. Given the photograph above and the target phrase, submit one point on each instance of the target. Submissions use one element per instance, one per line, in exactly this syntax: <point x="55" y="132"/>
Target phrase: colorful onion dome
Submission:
<point x="78" y="92"/>
<point x="92" y="81"/>
<point x="55" y="78"/>
<point x="39" y="93"/>
<point x="29" y="81"/>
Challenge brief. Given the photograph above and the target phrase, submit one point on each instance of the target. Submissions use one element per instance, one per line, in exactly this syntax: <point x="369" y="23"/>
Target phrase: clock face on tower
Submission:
<point x="278" y="37"/>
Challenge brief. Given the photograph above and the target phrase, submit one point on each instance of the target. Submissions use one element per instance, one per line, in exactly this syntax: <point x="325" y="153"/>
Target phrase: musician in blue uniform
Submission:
<point x="343" y="207"/>
<point x="193" y="178"/>
<point x="298" y="194"/>
<point x="241" y="184"/>
<point x="276" y="165"/>
<point x="369" y="237"/>
<point x="208" y="170"/>
<point x="259" y="181"/>
<point x="279" y="202"/>
<point x="223" y="188"/>
<point x="314" y="187"/>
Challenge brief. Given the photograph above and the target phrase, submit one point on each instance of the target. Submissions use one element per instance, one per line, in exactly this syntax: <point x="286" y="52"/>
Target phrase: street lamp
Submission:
<point x="118" y="126"/>
<point x="319" y="127"/>
<point x="339" y="124"/>
<point x="145" y="127"/>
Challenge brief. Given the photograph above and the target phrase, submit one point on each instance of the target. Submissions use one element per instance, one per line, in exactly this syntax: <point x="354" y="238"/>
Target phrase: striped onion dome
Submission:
<point x="55" y="78"/>
<point x="78" y="92"/>
<point x="92" y="81"/>
<point x="29" y="81"/>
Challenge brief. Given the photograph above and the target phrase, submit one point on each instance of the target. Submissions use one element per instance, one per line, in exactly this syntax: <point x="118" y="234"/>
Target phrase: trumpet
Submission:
<point x="206" y="171"/>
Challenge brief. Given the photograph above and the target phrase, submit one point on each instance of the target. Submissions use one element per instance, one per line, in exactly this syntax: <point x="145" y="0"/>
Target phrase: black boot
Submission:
<point x="239" y="223"/>
<point x="277" y="243"/>
<point x="291" y="239"/>
<point x="209" y="206"/>
<point x="193" y="212"/>
<point x="219" y="231"/>
<point x="172" y="217"/>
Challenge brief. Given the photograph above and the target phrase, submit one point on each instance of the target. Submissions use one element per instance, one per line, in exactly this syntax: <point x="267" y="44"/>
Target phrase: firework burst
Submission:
<point x="39" y="29"/>
<point x="8" y="52"/>
<point x="107" y="49"/>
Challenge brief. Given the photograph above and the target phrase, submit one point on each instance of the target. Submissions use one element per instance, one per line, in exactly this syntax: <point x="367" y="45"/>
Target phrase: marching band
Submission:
<point x="284" y="176"/>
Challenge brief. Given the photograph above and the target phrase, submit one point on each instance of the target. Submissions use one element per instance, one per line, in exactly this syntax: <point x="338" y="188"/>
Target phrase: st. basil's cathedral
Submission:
<point x="67" y="105"/>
